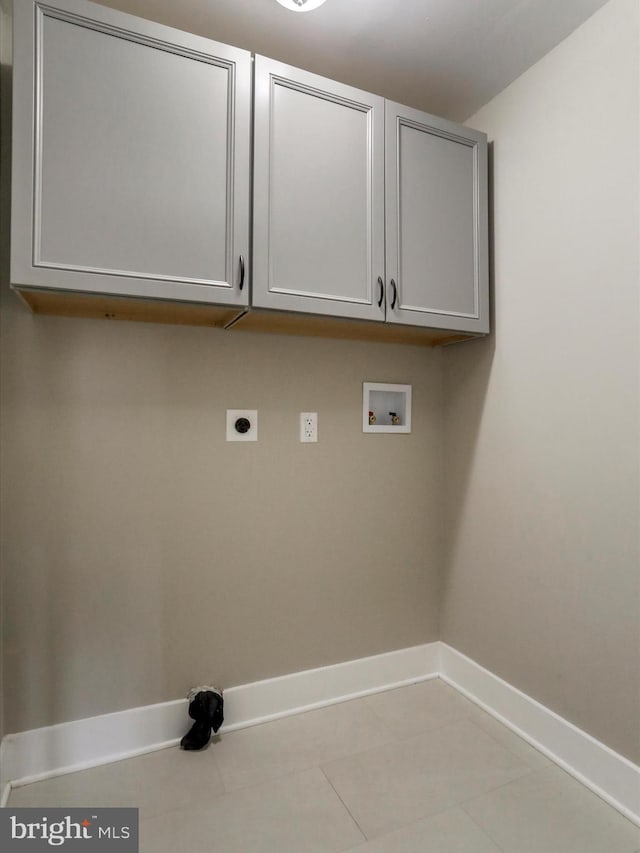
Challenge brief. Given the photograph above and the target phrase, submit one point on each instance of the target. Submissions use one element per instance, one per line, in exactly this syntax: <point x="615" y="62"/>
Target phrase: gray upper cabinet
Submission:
<point x="131" y="177"/>
<point x="436" y="219"/>
<point x="318" y="195"/>
<point x="131" y="150"/>
<point x="337" y="172"/>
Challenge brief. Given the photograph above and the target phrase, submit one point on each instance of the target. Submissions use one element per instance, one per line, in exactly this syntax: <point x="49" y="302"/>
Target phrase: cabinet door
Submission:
<point x="130" y="156"/>
<point x="318" y="195"/>
<point x="436" y="220"/>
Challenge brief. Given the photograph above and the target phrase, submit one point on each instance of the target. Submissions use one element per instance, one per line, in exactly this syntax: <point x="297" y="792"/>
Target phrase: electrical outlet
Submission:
<point x="242" y="425"/>
<point x="308" y="426"/>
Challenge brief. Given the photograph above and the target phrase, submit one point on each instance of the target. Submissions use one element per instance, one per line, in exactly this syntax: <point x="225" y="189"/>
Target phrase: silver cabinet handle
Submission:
<point x="241" y="271"/>
<point x="395" y="294"/>
<point x="381" y="283"/>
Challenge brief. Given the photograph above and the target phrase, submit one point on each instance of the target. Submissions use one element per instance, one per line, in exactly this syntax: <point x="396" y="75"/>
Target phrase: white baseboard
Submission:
<point x="52" y="751"/>
<point x="5" y="785"/>
<point x="262" y="701"/>
<point x="41" y="753"/>
<point x="608" y="774"/>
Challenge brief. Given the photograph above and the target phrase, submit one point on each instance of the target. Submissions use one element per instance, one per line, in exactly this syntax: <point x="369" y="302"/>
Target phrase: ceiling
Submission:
<point x="448" y="57"/>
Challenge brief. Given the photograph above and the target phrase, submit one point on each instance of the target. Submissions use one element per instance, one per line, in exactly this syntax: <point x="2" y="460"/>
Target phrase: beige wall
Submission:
<point x="144" y="554"/>
<point x="542" y="577"/>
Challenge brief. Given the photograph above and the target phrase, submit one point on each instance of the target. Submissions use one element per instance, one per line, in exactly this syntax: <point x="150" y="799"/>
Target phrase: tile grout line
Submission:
<point x="468" y="716"/>
<point x="553" y="765"/>
<point x="526" y="775"/>
<point x="306" y="767"/>
<point x="225" y="789"/>
<point x="508" y="748"/>
<point x="389" y="729"/>
<point x="530" y="771"/>
<point x="481" y="828"/>
<point x="463" y="803"/>
<point x="347" y="809"/>
<point x="285" y="775"/>
<point x="395" y="738"/>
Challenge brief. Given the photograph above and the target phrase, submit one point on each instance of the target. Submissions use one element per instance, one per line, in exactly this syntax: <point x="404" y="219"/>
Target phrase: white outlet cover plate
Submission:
<point x="232" y="416"/>
<point x="312" y="418"/>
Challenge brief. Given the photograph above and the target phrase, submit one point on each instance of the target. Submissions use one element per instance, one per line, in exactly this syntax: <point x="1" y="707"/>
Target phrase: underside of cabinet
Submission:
<point x="101" y="307"/>
<point x="66" y="304"/>
<point x="315" y="325"/>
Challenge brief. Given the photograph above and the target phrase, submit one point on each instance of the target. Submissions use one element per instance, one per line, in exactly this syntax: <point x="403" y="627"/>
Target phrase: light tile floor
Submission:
<point x="415" y="769"/>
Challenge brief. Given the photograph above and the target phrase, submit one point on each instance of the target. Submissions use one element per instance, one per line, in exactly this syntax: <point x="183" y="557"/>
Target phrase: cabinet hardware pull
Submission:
<point x="241" y="271"/>
<point x="380" y="282"/>
<point x="395" y="294"/>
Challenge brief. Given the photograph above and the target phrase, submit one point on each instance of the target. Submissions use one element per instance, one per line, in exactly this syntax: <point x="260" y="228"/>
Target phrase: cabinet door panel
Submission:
<point x="318" y="226"/>
<point x="141" y="157"/>
<point x="138" y="168"/>
<point x="436" y="222"/>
